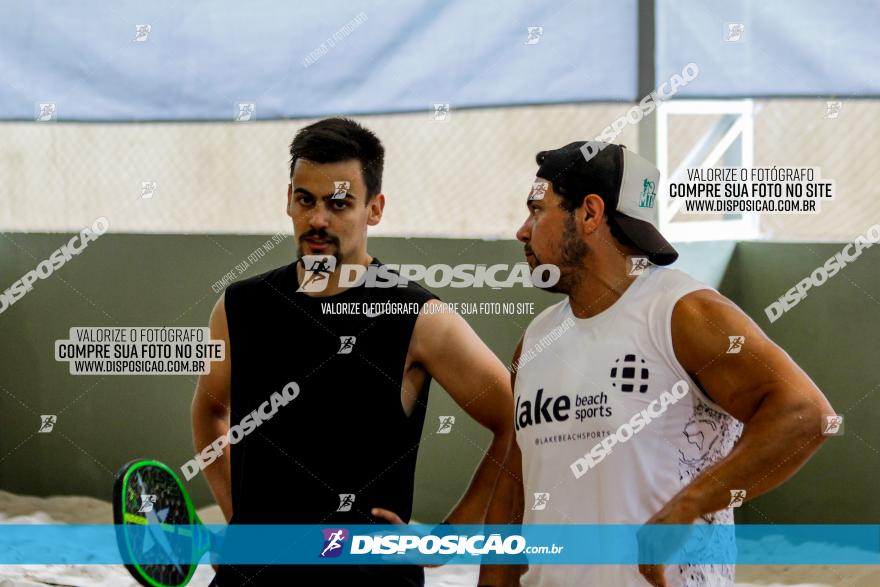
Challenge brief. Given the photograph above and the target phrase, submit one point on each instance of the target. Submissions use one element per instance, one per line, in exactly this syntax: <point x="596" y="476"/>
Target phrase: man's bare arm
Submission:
<point x="452" y="353"/>
<point x="761" y="386"/>
<point x="210" y="412"/>
<point x="507" y="502"/>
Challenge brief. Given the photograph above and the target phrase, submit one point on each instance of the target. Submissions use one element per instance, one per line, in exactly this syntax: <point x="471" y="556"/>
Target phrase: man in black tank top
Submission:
<point x="343" y="450"/>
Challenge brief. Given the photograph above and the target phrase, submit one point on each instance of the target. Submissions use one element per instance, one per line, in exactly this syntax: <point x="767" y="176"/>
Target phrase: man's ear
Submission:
<point x="592" y="212"/>
<point x="375" y="209"/>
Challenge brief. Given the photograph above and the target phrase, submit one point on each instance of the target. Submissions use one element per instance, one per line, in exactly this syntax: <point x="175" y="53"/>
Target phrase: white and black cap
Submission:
<point x="625" y="181"/>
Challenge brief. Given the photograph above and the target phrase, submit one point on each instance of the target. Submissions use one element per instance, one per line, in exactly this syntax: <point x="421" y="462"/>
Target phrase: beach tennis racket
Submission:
<point x="155" y="520"/>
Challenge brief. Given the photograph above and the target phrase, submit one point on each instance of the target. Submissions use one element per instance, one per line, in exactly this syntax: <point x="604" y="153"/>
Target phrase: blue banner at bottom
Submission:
<point x="158" y="544"/>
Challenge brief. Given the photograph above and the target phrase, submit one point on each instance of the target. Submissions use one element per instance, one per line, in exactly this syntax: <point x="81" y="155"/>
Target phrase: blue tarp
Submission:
<point x="201" y="58"/>
<point x="305" y="59"/>
<point x="784" y="48"/>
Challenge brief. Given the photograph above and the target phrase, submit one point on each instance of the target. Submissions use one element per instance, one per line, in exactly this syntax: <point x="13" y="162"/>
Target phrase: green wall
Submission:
<point x="833" y="335"/>
<point x="165" y="280"/>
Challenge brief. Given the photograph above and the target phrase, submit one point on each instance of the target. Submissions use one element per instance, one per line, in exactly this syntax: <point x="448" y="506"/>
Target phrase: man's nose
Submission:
<point x="318" y="217"/>
<point x="524" y="234"/>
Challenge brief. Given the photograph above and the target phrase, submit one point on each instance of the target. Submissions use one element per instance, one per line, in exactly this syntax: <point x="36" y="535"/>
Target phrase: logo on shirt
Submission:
<point x="371" y="313"/>
<point x="544" y="409"/>
<point x="549" y="409"/>
<point x="333" y="541"/>
<point x="629" y="374"/>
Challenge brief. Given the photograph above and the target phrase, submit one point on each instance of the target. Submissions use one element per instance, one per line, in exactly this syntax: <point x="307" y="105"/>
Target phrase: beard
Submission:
<point x="573" y="251"/>
<point x="321" y="234"/>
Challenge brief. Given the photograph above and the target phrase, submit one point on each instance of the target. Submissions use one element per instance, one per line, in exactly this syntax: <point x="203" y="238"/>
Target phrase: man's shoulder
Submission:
<point x="674" y="282"/>
<point x="274" y="278"/>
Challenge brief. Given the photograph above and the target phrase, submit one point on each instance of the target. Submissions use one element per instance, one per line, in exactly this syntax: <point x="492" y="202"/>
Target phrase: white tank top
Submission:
<point x="610" y="367"/>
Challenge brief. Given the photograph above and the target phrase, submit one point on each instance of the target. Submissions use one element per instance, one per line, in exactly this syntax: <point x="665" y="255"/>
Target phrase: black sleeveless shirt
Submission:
<point x="345" y="433"/>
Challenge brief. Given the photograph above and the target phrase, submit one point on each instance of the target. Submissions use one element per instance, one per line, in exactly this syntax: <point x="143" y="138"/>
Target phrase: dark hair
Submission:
<point x="339" y="139"/>
<point x="603" y="179"/>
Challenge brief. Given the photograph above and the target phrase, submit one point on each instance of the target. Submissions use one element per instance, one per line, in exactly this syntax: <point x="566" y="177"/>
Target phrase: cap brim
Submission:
<point x="648" y="239"/>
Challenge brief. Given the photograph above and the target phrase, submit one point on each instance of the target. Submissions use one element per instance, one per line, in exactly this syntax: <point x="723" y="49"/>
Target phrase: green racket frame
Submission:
<point x="121" y="517"/>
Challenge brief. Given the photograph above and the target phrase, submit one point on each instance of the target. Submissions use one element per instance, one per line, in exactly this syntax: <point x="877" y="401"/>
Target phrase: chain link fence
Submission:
<point x="463" y="177"/>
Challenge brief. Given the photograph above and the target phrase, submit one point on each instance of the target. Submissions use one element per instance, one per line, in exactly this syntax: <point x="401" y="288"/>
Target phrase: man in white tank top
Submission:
<point x="632" y="393"/>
